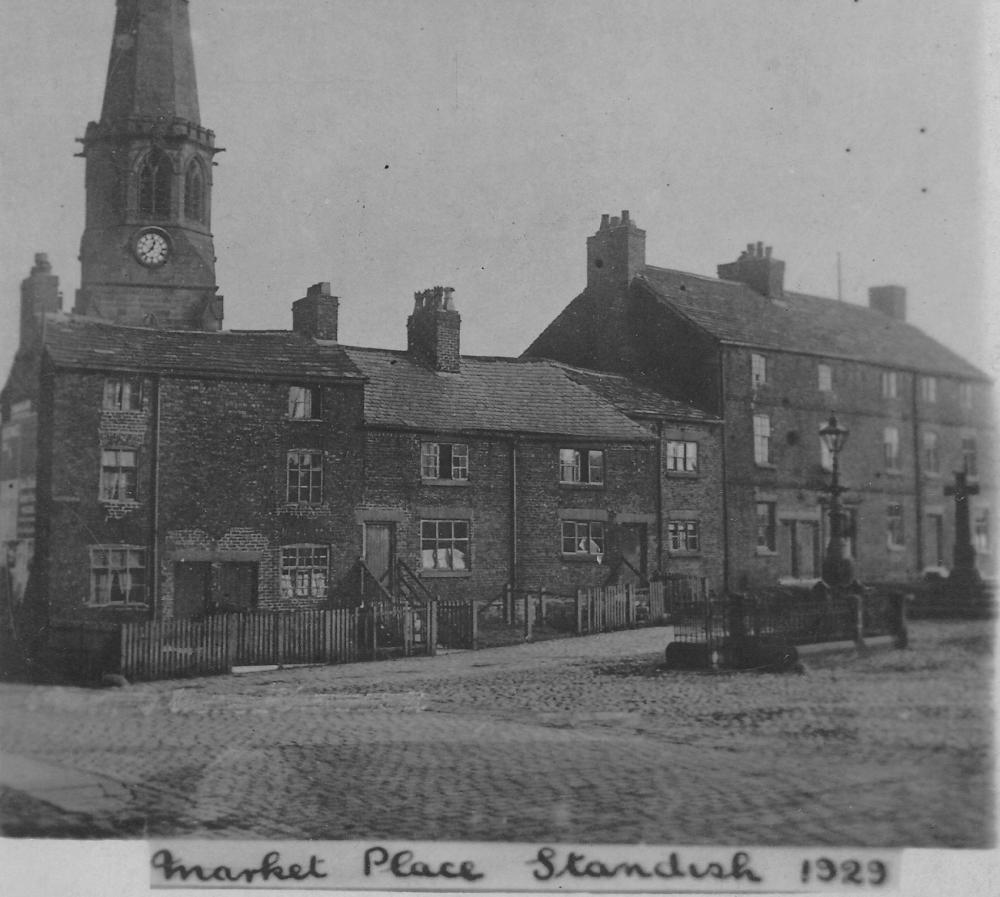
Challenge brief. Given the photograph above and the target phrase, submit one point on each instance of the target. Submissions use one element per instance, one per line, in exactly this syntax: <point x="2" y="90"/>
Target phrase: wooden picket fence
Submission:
<point x="173" y="648"/>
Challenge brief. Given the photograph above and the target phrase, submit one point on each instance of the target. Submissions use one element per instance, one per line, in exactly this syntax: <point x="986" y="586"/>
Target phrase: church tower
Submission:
<point x="147" y="256"/>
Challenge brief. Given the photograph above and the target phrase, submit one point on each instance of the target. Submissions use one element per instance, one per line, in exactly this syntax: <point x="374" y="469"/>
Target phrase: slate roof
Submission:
<point x="489" y="394"/>
<point x="734" y="313"/>
<point x="633" y="399"/>
<point x="78" y="342"/>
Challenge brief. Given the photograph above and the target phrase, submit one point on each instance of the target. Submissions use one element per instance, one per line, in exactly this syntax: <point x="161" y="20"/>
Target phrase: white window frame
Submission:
<point x="683" y="536"/>
<point x="586" y="538"/>
<point x="824" y="377"/>
<point x="762" y="440"/>
<point x="128" y="562"/>
<point x="682" y="456"/>
<point x="758" y="369"/>
<point x="305" y="570"/>
<point x="304" y="402"/>
<point x="890" y="448"/>
<point x="930" y="447"/>
<point x="581" y="467"/>
<point x="123" y="392"/>
<point x="119" y="475"/>
<point x="304" y="477"/>
<point x="769" y="527"/>
<point x="452" y="456"/>
<point x="890" y="385"/>
<point x="895" y="526"/>
<point x="928" y="389"/>
<point x="446" y="545"/>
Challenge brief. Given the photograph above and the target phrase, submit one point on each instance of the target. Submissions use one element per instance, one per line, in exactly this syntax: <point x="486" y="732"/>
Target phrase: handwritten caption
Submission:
<point x="459" y="866"/>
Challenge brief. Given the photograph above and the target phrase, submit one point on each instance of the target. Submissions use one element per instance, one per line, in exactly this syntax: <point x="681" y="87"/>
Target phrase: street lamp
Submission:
<point x="837" y="567"/>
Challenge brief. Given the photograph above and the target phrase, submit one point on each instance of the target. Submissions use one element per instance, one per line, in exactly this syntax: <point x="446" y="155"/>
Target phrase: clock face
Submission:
<point x="152" y="248"/>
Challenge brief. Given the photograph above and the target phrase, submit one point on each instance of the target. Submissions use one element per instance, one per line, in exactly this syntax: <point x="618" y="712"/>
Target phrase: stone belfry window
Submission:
<point x="194" y="193"/>
<point x="154" y="185"/>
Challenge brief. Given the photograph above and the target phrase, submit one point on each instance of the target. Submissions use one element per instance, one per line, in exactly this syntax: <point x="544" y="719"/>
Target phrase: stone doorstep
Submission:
<point x="69" y="789"/>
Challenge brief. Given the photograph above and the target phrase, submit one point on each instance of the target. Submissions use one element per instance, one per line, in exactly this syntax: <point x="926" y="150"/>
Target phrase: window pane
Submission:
<point x="595" y="463"/>
<point x="569" y="466"/>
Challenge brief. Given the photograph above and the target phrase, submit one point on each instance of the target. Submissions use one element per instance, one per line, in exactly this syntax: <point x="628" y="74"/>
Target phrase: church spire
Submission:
<point x="151" y="71"/>
<point x="147" y="255"/>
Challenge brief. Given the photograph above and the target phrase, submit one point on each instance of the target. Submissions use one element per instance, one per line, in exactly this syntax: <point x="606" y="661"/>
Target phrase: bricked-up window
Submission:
<point x="682" y="457"/>
<point x="894" y="526"/>
<point x="762" y="439"/>
<point x="122" y="393"/>
<point x="305" y="478"/>
<point x="932" y="457"/>
<point x="194" y="192"/>
<point x="117" y="574"/>
<point x="444" y="461"/>
<point x="154" y="185"/>
<point x="965" y="394"/>
<point x="683" y="535"/>
<point x="581" y="466"/>
<point x="824" y="377"/>
<point x="758" y="369"/>
<point x="304" y="571"/>
<point x="970" y="460"/>
<point x="118" y="475"/>
<point x="890" y="448"/>
<point x="444" y="545"/>
<point x="981" y="531"/>
<point x="304" y="402"/>
<point x="766" y="526"/>
<point x="583" y="537"/>
<point x="890" y="385"/>
<point x="928" y="389"/>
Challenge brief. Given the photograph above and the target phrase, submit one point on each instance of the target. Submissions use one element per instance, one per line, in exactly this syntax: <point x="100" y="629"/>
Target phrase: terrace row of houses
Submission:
<point x="665" y="423"/>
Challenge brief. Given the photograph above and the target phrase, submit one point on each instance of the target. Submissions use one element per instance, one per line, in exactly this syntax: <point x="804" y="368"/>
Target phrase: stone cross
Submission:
<point x="965" y="554"/>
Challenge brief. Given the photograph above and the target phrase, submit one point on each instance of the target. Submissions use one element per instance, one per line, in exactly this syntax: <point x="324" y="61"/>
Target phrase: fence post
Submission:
<point x="629" y="604"/>
<point x="508" y="604"/>
<point x="527" y="614"/>
<point x="899" y="630"/>
<point x="474" y="628"/>
<point x="540" y="616"/>
<point x="579" y="611"/>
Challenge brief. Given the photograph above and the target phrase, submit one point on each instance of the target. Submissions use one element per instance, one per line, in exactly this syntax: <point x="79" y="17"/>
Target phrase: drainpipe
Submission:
<point x="153" y="577"/>
<point x="918" y="491"/>
<point x="659" y="495"/>
<point x="725" y="479"/>
<point x="513" y="515"/>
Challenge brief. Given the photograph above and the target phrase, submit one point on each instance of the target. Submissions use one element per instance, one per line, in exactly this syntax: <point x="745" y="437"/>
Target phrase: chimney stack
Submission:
<point x="890" y="300"/>
<point x="758" y="270"/>
<point x="315" y="316"/>
<point x="616" y="253"/>
<point x="39" y="295"/>
<point x="434" y="329"/>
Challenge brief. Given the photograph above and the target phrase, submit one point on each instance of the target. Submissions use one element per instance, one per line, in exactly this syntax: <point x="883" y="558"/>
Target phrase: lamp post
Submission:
<point x="837" y="568"/>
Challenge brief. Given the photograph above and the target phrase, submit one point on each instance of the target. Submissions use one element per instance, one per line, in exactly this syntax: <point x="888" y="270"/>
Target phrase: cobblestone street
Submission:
<point x="574" y="740"/>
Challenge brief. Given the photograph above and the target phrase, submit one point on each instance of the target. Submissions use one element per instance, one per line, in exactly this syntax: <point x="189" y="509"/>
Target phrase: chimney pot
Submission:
<point x="604" y="221"/>
<point x="624" y="216"/>
<point x="760" y="249"/>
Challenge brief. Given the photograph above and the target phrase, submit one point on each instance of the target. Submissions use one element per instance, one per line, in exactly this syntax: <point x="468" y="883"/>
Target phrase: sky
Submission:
<point x="393" y="145"/>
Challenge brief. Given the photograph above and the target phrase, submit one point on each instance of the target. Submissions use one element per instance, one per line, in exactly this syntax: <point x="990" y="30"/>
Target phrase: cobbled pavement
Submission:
<point x="575" y="740"/>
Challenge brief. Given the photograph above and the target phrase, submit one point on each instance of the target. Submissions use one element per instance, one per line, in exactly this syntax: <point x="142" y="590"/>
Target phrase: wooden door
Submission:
<point x="633" y="539"/>
<point x="380" y="551"/>
<point x="192" y="589"/>
<point x="236" y="589"/>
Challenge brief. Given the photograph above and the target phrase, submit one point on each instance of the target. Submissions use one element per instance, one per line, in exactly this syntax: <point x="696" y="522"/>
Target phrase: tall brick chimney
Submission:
<point x="39" y="295"/>
<point x="616" y="253"/>
<point x="890" y="300"/>
<point x="758" y="270"/>
<point x="433" y="330"/>
<point x="315" y="316"/>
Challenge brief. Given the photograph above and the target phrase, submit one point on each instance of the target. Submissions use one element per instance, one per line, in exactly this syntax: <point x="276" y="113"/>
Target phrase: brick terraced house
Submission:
<point x="774" y="364"/>
<point x="182" y="473"/>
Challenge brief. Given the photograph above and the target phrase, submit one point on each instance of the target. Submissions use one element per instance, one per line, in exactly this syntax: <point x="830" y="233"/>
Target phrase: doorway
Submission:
<point x="633" y="543"/>
<point x="799" y="549"/>
<point x="380" y="552"/>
